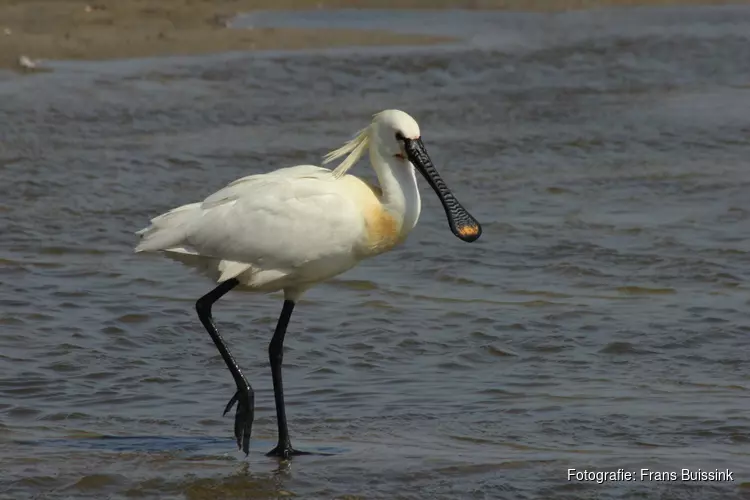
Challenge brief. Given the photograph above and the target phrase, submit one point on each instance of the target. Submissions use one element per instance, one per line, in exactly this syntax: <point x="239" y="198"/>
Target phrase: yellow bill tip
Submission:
<point x="469" y="232"/>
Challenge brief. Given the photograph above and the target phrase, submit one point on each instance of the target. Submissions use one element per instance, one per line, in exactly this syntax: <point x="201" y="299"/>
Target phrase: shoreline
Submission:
<point x="120" y="29"/>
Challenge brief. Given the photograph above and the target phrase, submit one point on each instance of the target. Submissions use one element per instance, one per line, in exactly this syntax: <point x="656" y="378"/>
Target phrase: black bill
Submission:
<point x="461" y="222"/>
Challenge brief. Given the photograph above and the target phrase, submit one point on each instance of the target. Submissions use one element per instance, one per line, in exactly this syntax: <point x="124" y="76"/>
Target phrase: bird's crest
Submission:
<point x="354" y="148"/>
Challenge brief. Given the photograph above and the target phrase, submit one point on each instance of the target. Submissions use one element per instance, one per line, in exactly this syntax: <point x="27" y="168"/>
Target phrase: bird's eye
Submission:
<point x="400" y="136"/>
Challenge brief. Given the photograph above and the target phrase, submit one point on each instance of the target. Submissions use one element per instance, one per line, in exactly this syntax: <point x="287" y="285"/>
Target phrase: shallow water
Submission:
<point x="601" y="322"/>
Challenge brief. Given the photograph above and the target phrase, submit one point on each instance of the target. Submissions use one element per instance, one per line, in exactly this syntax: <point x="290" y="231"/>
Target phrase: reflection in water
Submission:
<point x="600" y="323"/>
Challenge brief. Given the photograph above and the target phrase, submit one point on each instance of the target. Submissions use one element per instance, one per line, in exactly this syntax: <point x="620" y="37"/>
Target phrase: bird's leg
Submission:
<point x="276" y="355"/>
<point x="244" y="397"/>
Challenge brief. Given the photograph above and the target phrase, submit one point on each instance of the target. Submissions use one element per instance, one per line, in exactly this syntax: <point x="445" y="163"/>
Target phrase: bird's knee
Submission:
<point x="203" y="307"/>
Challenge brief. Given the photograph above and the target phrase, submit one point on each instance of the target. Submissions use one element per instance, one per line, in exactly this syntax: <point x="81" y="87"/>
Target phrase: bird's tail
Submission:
<point x="168" y="230"/>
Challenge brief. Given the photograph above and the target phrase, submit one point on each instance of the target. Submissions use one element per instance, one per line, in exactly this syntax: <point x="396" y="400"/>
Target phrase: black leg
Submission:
<point x="276" y="356"/>
<point x="243" y="420"/>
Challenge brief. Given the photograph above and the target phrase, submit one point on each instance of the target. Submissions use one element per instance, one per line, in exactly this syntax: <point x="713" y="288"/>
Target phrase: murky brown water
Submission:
<point x="600" y="323"/>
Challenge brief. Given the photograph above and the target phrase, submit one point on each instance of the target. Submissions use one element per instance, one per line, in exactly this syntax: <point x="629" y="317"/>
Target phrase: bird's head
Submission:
<point x="397" y="139"/>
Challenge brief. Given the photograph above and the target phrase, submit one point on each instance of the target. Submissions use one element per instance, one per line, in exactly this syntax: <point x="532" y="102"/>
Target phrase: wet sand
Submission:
<point x="111" y="29"/>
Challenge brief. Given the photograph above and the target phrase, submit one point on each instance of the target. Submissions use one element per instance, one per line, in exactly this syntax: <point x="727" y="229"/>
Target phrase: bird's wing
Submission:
<point x="276" y="222"/>
<point x="237" y="188"/>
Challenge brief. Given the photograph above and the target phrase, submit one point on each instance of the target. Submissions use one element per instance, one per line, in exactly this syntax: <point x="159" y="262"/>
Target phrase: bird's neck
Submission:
<point x="398" y="181"/>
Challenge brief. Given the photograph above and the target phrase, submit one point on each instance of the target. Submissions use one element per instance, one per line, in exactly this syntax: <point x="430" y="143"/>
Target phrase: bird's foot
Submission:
<point x="285" y="452"/>
<point x="243" y="417"/>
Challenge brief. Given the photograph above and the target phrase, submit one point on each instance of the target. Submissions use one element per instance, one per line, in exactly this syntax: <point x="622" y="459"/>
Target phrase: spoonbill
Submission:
<point x="292" y="228"/>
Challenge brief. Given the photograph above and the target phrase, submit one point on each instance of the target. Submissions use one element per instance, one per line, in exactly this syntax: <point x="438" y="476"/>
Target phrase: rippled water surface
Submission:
<point x="600" y="323"/>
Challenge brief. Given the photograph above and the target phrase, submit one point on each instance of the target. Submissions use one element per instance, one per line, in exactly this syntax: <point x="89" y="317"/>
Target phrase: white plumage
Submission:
<point x="294" y="227"/>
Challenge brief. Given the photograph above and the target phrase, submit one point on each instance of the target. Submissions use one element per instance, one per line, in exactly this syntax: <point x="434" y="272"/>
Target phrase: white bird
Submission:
<point x="295" y="227"/>
<point x="26" y="62"/>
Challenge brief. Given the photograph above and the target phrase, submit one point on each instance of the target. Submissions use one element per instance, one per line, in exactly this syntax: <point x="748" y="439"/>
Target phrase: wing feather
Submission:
<point x="263" y="228"/>
<point x="279" y="223"/>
